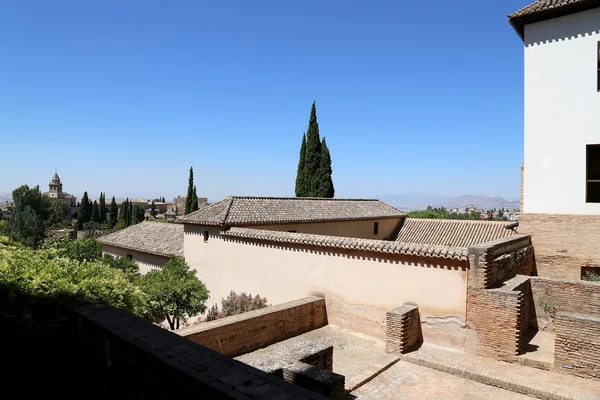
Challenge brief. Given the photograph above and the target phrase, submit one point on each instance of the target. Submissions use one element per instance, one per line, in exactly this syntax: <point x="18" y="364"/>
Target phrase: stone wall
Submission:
<point x="563" y="243"/>
<point x="552" y="295"/>
<point x="122" y="356"/>
<point x="403" y="329"/>
<point x="243" y="333"/>
<point x="499" y="296"/>
<point x="577" y="349"/>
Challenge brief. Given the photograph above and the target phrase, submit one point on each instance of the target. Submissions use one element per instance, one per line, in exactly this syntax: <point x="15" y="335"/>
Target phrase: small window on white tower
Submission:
<point x="593" y="173"/>
<point x="598" y="64"/>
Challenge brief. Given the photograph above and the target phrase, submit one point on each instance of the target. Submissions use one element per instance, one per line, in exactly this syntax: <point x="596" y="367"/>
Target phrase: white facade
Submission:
<point x="562" y="112"/>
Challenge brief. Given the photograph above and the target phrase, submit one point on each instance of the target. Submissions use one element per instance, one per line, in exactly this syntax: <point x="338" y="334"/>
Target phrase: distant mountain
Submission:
<point x="420" y="201"/>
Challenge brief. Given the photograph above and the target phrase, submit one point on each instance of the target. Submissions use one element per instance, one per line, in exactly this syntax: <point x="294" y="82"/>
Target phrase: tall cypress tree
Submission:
<point x="95" y="217"/>
<point x="124" y="211"/>
<point x="189" y="199"/>
<point x="153" y="210"/>
<point x="113" y="213"/>
<point x="195" y="200"/>
<point x="102" y="207"/>
<point x="312" y="157"/>
<point x="326" y="188"/>
<point x="129" y="213"/>
<point x="84" y="213"/>
<point x="300" y="176"/>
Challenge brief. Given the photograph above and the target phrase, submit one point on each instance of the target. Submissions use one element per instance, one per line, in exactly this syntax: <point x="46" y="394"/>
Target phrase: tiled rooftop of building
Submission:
<point x="454" y="233"/>
<point x="158" y="238"/>
<point x="542" y="10"/>
<point x="245" y="211"/>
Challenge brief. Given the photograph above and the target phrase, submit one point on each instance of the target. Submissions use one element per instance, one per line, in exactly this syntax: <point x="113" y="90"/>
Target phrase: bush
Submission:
<point x="76" y="249"/>
<point x="127" y="265"/>
<point x="236" y="304"/>
<point x="591" y="276"/>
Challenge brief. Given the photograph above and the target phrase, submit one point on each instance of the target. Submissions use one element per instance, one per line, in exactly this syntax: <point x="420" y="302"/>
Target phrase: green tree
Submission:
<point x="163" y="199"/>
<point x="174" y="292"/>
<point x="85" y="211"/>
<point x="95" y="217"/>
<point x="124" y="264"/>
<point x="194" y="200"/>
<point x="113" y="213"/>
<point x="58" y="216"/>
<point x="76" y="249"/>
<point x="102" y="208"/>
<point x="189" y="200"/>
<point x="300" y="174"/>
<point x="312" y="156"/>
<point x="326" y="188"/>
<point x="124" y="212"/>
<point x="29" y="211"/>
<point x="137" y="214"/>
<point x="153" y="210"/>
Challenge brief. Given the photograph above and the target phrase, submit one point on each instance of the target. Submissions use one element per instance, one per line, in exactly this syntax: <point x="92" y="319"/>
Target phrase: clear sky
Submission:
<point x="125" y="96"/>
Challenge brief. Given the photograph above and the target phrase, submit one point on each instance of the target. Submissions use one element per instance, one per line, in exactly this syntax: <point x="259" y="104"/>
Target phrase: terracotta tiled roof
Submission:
<point x="450" y="232"/>
<point x="158" y="238"/>
<point x="542" y="10"/>
<point x="381" y="246"/>
<point x="244" y="211"/>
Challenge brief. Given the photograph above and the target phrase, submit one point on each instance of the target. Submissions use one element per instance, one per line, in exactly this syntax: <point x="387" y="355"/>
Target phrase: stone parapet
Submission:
<point x="577" y="345"/>
<point x="403" y="329"/>
<point x="243" y="333"/>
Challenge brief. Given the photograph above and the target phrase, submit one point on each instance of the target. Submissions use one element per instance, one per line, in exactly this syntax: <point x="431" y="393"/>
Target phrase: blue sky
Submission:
<point x="125" y="96"/>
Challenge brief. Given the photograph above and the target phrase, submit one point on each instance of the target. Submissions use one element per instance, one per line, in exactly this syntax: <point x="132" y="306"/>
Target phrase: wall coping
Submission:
<point x="206" y="326"/>
<point x="504" y="245"/>
<point x="512" y="285"/>
<point x="402" y="309"/>
<point x="565" y="280"/>
<point x="577" y="317"/>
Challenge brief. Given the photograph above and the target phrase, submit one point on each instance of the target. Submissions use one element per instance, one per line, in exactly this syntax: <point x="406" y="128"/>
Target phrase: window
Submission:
<point x="593" y="173"/>
<point x="292" y="231"/>
<point x="375" y="228"/>
<point x="205" y="236"/>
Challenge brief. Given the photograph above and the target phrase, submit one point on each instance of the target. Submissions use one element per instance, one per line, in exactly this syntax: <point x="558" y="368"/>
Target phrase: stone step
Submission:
<point x="514" y="377"/>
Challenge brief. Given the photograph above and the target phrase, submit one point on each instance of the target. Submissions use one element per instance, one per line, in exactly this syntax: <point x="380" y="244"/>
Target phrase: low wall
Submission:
<point x="563" y="243"/>
<point x="253" y="330"/>
<point x="499" y="296"/>
<point x="553" y="295"/>
<point x="123" y="356"/>
<point x="577" y="349"/>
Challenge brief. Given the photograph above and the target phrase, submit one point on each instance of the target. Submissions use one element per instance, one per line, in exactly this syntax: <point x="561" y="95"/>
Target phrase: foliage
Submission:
<point x="75" y="249"/>
<point x="549" y="307"/>
<point x="85" y="211"/>
<point x="174" y="292"/>
<point x="2" y="226"/>
<point x="95" y="213"/>
<point x="313" y="178"/>
<point x="113" y="213"/>
<point x="236" y="304"/>
<point x="190" y="200"/>
<point x="591" y="276"/>
<point x="127" y="265"/>
<point x="442" y="213"/>
<point x="91" y="229"/>
<point x="102" y="208"/>
<point x="195" y="200"/>
<point x="29" y="211"/>
<point x="58" y="214"/>
<point x="42" y="276"/>
<point x="153" y="209"/>
<point x="137" y="214"/>
<point x="117" y="227"/>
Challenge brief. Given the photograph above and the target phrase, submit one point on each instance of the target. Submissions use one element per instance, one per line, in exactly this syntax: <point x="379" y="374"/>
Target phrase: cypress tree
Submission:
<point x="102" y="208"/>
<point x="129" y="213"/>
<point x="300" y="177"/>
<point x="190" y="193"/>
<point x="312" y="157"/>
<point x="124" y="212"/>
<point x="95" y="212"/>
<point x="153" y="210"/>
<point x="326" y="188"/>
<point x="84" y="213"/>
<point x="113" y="213"/>
<point x="195" y="200"/>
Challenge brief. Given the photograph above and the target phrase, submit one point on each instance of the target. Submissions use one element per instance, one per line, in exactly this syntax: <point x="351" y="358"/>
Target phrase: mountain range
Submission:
<point x="420" y="201"/>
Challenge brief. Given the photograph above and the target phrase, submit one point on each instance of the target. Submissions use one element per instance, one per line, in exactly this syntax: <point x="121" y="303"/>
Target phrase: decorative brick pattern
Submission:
<point x="563" y="243"/>
<point x="577" y="346"/>
<point x="243" y="333"/>
<point x="403" y="329"/>
<point x="563" y="295"/>
<point x="124" y="356"/>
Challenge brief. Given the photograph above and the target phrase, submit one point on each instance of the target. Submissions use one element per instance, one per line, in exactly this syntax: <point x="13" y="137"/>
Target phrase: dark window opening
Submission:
<point x="205" y="236"/>
<point x="375" y="228"/>
<point x="593" y="173"/>
<point x="292" y="231"/>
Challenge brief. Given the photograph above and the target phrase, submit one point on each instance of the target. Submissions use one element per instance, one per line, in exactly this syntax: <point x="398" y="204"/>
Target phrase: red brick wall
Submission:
<point x="243" y="333"/>
<point x="576" y="349"/>
<point x="402" y="329"/>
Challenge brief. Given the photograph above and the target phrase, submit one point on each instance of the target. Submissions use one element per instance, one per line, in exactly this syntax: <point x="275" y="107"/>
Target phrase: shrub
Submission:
<point x="591" y="276"/>
<point x="549" y="307"/>
<point x="76" y="249"/>
<point x="236" y="304"/>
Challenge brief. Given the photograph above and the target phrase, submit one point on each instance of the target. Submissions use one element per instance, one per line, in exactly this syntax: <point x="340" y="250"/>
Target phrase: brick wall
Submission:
<point x="243" y="333"/>
<point x="122" y="356"/>
<point x="403" y="329"/>
<point x="577" y="349"/>
<point x="563" y="295"/>
<point x="499" y="299"/>
<point x="563" y="243"/>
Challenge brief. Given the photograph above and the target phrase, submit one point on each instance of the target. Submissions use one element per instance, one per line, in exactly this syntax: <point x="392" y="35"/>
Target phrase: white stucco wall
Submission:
<point x="146" y="261"/>
<point x="359" y="287"/>
<point x="562" y="112"/>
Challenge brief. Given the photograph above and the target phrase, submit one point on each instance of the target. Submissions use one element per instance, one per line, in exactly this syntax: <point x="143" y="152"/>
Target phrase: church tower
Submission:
<point x="55" y="186"/>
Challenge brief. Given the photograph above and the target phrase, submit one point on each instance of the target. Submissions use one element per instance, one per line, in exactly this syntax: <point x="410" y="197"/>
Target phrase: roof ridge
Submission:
<point x="301" y="198"/>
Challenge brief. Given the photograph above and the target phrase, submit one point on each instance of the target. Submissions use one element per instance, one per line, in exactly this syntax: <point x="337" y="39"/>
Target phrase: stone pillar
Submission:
<point x="403" y="329"/>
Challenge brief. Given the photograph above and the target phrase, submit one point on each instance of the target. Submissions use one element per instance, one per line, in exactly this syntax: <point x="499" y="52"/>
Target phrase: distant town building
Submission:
<point x="55" y="191"/>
